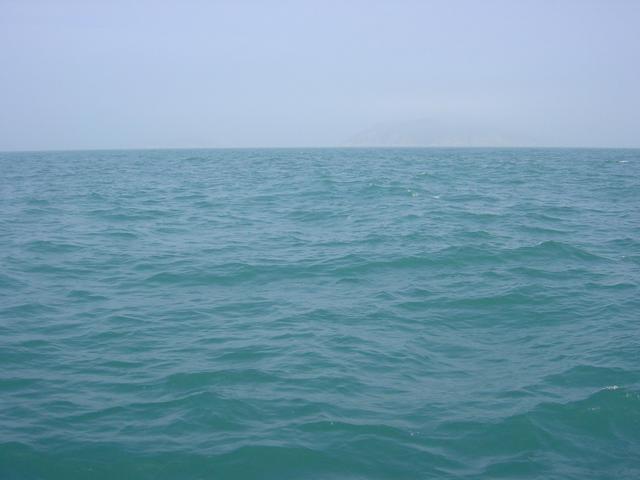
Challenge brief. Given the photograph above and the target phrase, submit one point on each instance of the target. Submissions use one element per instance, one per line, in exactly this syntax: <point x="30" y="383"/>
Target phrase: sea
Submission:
<point x="416" y="313"/>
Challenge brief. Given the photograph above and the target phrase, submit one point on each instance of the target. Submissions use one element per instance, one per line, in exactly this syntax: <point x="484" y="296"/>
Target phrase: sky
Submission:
<point x="180" y="74"/>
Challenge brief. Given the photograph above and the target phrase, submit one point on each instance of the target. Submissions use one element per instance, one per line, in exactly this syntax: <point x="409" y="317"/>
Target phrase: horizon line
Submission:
<point x="317" y="147"/>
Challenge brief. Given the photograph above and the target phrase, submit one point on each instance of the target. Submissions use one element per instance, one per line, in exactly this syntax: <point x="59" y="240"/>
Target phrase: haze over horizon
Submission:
<point x="92" y="75"/>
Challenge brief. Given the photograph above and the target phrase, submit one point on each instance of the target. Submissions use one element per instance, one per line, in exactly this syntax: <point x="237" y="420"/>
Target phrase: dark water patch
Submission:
<point x="49" y="246"/>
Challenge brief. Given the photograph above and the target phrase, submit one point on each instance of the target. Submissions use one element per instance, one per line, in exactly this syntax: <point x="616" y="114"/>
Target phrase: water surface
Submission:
<point x="320" y="314"/>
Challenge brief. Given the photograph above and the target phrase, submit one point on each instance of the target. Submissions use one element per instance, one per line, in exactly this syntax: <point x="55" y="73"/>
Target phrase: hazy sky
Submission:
<point x="118" y="74"/>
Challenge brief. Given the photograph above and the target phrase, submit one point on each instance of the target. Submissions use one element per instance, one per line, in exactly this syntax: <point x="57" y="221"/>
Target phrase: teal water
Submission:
<point x="320" y="314"/>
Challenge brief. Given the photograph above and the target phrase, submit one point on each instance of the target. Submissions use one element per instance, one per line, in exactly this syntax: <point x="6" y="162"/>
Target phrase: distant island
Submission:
<point x="440" y="133"/>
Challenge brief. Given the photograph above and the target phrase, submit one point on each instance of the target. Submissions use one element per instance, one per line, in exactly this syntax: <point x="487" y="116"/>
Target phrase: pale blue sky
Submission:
<point x="141" y="74"/>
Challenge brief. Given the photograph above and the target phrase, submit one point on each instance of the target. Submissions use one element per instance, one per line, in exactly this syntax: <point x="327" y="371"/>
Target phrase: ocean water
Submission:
<point x="320" y="314"/>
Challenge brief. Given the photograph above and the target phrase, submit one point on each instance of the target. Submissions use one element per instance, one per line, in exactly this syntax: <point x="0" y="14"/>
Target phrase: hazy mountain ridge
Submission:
<point x="431" y="133"/>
